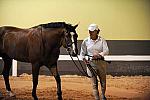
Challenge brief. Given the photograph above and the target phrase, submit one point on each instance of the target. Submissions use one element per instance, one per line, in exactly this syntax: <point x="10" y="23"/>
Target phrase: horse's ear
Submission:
<point x="76" y="26"/>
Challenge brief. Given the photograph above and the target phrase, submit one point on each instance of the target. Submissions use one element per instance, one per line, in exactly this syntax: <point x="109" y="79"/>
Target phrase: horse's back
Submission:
<point x="21" y="44"/>
<point x="12" y="29"/>
<point x="15" y="44"/>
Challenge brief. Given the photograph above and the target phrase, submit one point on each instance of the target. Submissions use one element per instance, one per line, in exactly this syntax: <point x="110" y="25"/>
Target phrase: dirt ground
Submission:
<point x="79" y="88"/>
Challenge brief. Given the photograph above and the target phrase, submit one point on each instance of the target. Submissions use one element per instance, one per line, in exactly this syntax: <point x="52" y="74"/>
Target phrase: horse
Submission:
<point x="38" y="45"/>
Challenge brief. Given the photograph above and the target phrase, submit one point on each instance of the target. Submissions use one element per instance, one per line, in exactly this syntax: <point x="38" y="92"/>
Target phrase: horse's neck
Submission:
<point x="53" y="37"/>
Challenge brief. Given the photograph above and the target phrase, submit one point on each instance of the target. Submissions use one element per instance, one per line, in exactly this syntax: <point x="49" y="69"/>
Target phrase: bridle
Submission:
<point x="68" y="43"/>
<point x="68" y="49"/>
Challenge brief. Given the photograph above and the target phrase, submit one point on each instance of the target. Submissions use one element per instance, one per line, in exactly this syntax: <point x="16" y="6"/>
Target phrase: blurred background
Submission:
<point x="117" y="19"/>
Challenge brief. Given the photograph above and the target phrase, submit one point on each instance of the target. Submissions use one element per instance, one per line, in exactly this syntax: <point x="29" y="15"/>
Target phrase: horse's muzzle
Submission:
<point x="69" y="49"/>
<point x="74" y="54"/>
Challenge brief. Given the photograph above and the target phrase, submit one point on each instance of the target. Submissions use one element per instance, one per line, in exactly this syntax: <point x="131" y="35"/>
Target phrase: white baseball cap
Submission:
<point x="93" y="27"/>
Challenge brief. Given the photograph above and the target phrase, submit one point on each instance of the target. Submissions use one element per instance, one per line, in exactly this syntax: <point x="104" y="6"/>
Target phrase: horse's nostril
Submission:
<point x="68" y="49"/>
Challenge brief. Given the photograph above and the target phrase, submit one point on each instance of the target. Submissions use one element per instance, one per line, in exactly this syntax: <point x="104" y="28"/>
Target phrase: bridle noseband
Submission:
<point x="68" y="43"/>
<point x="68" y="49"/>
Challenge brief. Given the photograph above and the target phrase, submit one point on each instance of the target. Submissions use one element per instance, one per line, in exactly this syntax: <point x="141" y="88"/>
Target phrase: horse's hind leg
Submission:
<point x="55" y="73"/>
<point x="35" y="73"/>
<point x="6" y="69"/>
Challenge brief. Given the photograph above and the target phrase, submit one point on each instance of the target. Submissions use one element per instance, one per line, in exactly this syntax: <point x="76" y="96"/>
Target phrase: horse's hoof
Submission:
<point x="11" y="94"/>
<point x="59" y="98"/>
<point x="35" y="98"/>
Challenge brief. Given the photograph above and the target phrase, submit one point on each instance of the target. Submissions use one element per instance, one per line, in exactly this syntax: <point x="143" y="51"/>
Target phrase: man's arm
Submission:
<point x="83" y="52"/>
<point x="105" y="49"/>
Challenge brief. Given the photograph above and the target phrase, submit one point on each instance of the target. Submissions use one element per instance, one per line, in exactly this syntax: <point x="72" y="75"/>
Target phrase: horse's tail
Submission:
<point x="1" y="37"/>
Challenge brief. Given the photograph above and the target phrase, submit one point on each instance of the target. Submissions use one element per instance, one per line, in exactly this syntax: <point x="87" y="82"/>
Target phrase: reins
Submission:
<point x="90" y="68"/>
<point x="84" y="72"/>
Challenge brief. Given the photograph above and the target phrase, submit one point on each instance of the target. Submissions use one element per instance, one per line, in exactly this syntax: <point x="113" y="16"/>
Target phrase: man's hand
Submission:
<point x="97" y="57"/>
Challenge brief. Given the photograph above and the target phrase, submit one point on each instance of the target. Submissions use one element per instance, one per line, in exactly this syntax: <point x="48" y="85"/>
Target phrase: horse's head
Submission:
<point x="70" y="40"/>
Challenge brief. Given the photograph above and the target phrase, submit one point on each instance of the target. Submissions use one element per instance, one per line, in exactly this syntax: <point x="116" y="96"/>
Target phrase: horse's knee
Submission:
<point x="35" y="80"/>
<point x="5" y="74"/>
<point x="6" y="68"/>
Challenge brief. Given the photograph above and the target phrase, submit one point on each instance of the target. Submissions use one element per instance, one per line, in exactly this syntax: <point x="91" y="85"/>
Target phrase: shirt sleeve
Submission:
<point x="105" y="49"/>
<point x="83" y="51"/>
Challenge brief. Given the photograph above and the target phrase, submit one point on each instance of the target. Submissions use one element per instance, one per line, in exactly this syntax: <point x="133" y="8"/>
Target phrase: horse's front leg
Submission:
<point x="35" y="73"/>
<point x="55" y="73"/>
<point x="6" y="69"/>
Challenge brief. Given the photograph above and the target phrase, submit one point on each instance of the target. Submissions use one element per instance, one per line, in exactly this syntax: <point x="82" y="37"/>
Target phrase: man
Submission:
<point x="95" y="47"/>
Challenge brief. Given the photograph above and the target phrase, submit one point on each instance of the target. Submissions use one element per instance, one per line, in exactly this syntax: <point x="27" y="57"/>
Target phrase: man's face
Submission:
<point x="93" y="34"/>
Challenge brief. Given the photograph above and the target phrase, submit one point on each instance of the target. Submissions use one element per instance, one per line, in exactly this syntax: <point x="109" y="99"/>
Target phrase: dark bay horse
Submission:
<point x="39" y="45"/>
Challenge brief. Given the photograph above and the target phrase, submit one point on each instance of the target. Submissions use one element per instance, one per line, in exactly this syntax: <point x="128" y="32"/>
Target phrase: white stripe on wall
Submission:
<point x="107" y="58"/>
<point x="115" y="57"/>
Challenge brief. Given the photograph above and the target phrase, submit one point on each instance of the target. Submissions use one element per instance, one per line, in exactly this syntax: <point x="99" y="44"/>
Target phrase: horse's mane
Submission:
<point x="56" y="25"/>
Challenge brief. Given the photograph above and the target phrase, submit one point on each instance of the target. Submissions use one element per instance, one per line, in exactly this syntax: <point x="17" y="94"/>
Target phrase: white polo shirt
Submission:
<point x="89" y="47"/>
